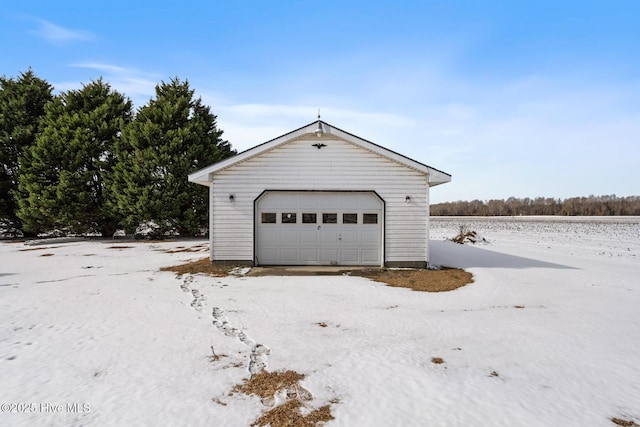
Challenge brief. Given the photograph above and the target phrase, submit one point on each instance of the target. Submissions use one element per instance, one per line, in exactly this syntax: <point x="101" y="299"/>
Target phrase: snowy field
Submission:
<point x="93" y="334"/>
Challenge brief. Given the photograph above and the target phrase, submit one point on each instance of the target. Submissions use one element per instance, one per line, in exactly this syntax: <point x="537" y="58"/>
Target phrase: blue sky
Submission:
<point x="512" y="98"/>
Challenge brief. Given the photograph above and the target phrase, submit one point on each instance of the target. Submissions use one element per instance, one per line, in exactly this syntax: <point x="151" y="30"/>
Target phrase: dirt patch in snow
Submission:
<point x="420" y="280"/>
<point x="181" y="249"/>
<point x="289" y="415"/>
<point x="38" y="249"/>
<point x="624" y="423"/>
<point x="265" y="384"/>
<point x="272" y="387"/>
<point x="202" y="266"/>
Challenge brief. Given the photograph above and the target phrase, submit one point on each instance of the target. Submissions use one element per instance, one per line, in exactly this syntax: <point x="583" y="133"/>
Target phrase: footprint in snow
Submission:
<point x="259" y="352"/>
<point x="198" y="299"/>
<point x="258" y="358"/>
<point x="185" y="284"/>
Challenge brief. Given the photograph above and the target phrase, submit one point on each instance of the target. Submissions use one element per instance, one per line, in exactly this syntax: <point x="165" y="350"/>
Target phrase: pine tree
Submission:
<point x="170" y="137"/>
<point x="63" y="175"/>
<point x="22" y="103"/>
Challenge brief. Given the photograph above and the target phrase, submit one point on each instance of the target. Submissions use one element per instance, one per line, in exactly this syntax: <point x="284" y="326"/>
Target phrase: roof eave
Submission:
<point x="437" y="177"/>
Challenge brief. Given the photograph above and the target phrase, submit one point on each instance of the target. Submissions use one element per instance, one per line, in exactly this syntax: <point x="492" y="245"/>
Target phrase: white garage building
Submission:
<point x="319" y="196"/>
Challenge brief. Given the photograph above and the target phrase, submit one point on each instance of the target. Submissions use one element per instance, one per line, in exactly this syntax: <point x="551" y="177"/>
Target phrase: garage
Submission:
<point x="319" y="228"/>
<point x="319" y="196"/>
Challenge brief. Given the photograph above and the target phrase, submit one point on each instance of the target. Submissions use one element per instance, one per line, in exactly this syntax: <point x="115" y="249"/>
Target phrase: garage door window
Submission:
<point x="370" y="218"/>
<point x="268" y="218"/>
<point x="329" y="218"/>
<point x="350" y="218"/>
<point x="288" y="217"/>
<point x="309" y="218"/>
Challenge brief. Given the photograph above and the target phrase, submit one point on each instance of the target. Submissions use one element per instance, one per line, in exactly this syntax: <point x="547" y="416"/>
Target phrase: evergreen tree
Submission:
<point x="22" y="103"/>
<point x="172" y="136"/>
<point x="63" y="175"/>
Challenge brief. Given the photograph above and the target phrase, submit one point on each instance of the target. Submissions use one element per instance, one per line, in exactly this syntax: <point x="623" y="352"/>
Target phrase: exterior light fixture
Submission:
<point x="231" y="198"/>
<point x="407" y="199"/>
<point x="319" y="131"/>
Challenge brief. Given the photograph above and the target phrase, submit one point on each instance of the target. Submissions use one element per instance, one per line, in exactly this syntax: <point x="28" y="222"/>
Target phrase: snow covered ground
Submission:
<point x="92" y="333"/>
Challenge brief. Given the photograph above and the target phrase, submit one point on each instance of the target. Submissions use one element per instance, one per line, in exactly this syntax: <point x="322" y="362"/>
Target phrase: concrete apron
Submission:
<point x="307" y="270"/>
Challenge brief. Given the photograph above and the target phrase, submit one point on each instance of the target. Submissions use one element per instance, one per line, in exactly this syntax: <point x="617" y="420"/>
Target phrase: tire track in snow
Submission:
<point x="259" y="352"/>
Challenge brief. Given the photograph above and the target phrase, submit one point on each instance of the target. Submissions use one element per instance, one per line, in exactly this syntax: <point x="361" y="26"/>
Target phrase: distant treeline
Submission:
<point x="575" y="206"/>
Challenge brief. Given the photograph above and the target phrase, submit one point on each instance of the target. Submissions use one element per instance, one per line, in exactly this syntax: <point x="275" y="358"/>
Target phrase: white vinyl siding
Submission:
<point x="339" y="166"/>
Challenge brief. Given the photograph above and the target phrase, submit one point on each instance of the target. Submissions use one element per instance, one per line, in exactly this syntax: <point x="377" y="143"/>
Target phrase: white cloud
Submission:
<point x="137" y="85"/>
<point x="56" y="34"/>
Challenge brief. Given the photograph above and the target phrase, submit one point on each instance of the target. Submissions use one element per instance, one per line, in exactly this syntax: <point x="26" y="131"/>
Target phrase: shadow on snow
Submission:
<point x="450" y="254"/>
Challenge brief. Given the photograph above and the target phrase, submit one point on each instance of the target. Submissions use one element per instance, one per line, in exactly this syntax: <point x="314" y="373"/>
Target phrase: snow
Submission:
<point x="548" y="334"/>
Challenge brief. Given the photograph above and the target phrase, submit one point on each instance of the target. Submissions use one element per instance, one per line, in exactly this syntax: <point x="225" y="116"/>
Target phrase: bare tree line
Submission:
<point x="576" y="206"/>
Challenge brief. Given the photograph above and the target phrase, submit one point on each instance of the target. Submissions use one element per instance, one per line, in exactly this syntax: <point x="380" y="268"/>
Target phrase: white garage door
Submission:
<point x="319" y="228"/>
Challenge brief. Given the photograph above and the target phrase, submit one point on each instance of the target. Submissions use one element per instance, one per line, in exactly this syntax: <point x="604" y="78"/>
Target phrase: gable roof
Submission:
<point x="435" y="176"/>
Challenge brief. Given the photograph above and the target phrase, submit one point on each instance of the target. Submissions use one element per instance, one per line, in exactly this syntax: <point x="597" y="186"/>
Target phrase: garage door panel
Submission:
<point x="309" y="237"/>
<point x="269" y="255"/>
<point x="289" y="237"/>
<point x="370" y="256"/>
<point x="370" y="236"/>
<point x="270" y="234"/>
<point x="350" y="256"/>
<point x="309" y="255"/>
<point x="328" y="236"/>
<point x="329" y="256"/>
<point x="289" y="255"/>
<point x="349" y="237"/>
